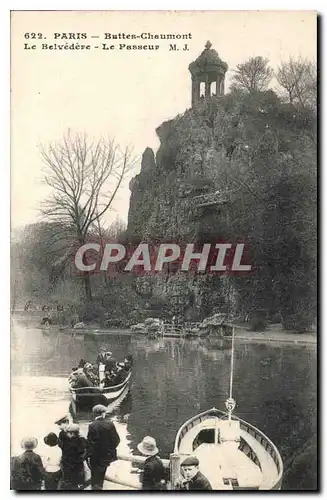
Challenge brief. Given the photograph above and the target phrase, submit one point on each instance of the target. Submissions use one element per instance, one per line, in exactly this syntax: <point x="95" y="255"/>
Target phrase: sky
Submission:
<point x="123" y="94"/>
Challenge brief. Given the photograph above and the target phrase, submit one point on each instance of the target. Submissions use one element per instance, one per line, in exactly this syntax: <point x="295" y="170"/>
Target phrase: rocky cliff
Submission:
<point x="259" y="154"/>
<point x="163" y="203"/>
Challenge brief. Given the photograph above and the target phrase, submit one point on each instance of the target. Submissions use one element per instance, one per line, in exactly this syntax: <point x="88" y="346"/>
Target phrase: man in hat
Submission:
<point x="73" y="456"/>
<point x="62" y="423"/>
<point x="103" y="440"/>
<point x="27" y="470"/>
<point x="153" y="473"/>
<point x="51" y="461"/>
<point x="193" y="479"/>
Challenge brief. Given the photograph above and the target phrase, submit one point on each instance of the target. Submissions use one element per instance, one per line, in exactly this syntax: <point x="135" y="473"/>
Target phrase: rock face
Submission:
<point x="163" y="206"/>
<point x="187" y="165"/>
<point x="241" y="145"/>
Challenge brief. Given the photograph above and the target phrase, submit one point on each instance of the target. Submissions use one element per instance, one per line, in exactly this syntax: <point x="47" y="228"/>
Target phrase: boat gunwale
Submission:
<point x="278" y="462"/>
<point x="81" y="391"/>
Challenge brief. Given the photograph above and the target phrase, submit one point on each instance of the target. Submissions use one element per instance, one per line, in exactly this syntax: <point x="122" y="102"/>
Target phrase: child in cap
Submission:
<point x="193" y="478"/>
<point x="27" y="470"/>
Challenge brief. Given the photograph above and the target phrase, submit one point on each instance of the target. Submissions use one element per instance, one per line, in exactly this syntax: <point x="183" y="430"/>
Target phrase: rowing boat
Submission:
<point x="84" y="398"/>
<point x="232" y="454"/>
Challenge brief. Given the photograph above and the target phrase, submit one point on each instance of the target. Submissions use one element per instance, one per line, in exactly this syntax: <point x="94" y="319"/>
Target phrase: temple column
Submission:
<point x="218" y="85"/>
<point x="207" y="88"/>
<point x="222" y="86"/>
<point x="195" y="91"/>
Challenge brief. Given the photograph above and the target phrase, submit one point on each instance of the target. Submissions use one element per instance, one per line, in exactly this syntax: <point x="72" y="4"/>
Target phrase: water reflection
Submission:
<point x="274" y="386"/>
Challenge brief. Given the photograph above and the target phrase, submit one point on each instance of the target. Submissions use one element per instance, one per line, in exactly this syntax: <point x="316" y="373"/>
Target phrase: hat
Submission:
<point x="62" y="420"/>
<point x="99" y="409"/>
<point x="51" y="439"/>
<point x="72" y="428"/>
<point x="190" y="461"/>
<point x="148" y="446"/>
<point x="29" y="443"/>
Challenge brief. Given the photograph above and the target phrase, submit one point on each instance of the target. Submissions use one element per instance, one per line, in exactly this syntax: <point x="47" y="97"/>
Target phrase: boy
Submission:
<point x="193" y="479"/>
<point x="27" y="471"/>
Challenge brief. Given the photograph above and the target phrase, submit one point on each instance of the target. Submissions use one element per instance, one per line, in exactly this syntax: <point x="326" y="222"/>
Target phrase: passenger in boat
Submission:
<point x="79" y="379"/>
<point x="82" y="363"/>
<point x="153" y="475"/>
<point x="128" y="361"/>
<point x="110" y="362"/>
<point x="27" y="470"/>
<point x="103" y="440"/>
<point x="103" y="356"/>
<point x="74" y="452"/>
<point x="109" y="379"/>
<point x="90" y="373"/>
<point x="118" y="375"/>
<point x="51" y="461"/>
<point x="193" y="478"/>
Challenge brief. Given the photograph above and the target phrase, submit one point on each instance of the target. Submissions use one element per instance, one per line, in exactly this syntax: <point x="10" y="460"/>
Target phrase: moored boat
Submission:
<point x="233" y="454"/>
<point x="84" y="398"/>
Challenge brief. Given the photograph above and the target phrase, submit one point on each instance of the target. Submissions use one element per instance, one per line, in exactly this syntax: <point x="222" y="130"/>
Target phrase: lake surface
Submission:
<point x="274" y="387"/>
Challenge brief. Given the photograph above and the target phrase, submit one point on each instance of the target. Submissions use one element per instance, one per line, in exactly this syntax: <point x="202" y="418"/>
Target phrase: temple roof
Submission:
<point x="208" y="61"/>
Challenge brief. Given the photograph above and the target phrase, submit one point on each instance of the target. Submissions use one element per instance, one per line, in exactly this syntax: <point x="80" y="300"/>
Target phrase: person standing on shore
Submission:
<point x="103" y="440"/>
<point x="62" y="423"/>
<point x="27" y="472"/>
<point x="153" y="476"/>
<point x="74" y="451"/>
<point x="51" y="461"/>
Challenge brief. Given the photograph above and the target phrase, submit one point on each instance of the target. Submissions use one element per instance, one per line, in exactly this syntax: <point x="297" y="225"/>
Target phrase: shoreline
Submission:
<point x="273" y="333"/>
<point x="246" y="336"/>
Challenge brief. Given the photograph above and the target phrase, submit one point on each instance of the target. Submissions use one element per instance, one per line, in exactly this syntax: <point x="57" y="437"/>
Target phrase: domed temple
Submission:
<point x="207" y="69"/>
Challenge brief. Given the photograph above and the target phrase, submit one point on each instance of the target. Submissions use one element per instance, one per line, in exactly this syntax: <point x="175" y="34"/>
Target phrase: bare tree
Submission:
<point x="299" y="81"/>
<point x="254" y="74"/>
<point x="85" y="178"/>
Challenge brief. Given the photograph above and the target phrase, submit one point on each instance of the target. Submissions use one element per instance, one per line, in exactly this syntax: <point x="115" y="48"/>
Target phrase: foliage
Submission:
<point x="254" y="74"/>
<point x="298" y="82"/>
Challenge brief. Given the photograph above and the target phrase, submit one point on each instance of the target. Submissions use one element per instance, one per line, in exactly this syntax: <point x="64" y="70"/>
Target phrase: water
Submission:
<point x="274" y="387"/>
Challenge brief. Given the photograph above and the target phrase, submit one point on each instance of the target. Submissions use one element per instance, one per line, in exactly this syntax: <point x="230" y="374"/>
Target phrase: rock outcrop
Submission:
<point x="163" y="206"/>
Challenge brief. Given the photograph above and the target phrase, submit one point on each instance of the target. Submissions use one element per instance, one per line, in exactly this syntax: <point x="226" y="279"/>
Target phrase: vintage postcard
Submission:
<point x="163" y="250"/>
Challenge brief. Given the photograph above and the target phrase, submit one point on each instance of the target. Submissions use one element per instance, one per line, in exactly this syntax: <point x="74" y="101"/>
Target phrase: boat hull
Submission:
<point x="85" y="398"/>
<point x="255" y="447"/>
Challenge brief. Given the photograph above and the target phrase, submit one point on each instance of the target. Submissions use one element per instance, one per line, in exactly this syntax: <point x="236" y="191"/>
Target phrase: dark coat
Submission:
<point x="73" y="451"/>
<point x="103" y="440"/>
<point x="62" y="438"/>
<point x="153" y="473"/>
<point x="198" y="482"/>
<point x="27" y="471"/>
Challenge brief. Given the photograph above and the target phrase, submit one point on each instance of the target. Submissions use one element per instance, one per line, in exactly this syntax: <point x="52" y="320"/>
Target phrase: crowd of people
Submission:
<point x="69" y="456"/>
<point x="64" y="465"/>
<point x="114" y="372"/>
